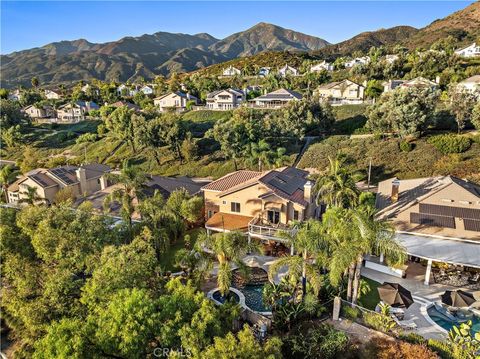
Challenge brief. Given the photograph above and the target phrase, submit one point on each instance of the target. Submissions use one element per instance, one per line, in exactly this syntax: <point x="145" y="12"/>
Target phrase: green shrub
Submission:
<point x="87" y="137"/>
<point x="350" y="313"/>
<point x="450" y="143"/>
<point x="442" y="348"/>
<point x="405" y="146"/>
<point x="380" y="322"/>
<point x="413" y="338"/>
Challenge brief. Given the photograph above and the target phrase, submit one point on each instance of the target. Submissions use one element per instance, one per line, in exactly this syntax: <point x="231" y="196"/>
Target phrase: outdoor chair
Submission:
<point x="474" y="279"/>
<point x="405" y="324"/>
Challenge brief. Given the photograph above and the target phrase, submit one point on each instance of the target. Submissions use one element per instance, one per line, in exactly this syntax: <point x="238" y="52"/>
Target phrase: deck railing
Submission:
<point x="257" y="228"/>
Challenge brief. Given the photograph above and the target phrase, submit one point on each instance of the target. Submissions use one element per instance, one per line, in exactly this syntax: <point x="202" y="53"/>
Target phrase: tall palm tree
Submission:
<point x="337" y="187"/>
<point x="131" y="181"/>
<point x="7" y="175"/>
<point x="229" y="248"/>
<point x="308" y="242"/>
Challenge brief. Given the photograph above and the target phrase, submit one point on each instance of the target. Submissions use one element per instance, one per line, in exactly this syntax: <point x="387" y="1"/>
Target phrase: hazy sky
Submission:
<point x="27" y="24"/>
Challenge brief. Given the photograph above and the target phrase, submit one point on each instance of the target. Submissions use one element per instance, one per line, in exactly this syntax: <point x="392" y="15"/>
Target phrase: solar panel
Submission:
<point x="459" y="212"/>
<point x="39" y="180"/>
<point x="62" y="173"/>
<point x="432" y="220"/>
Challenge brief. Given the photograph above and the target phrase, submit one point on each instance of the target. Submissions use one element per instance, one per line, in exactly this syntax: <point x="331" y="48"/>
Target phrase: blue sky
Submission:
<point x="27" y="24"/>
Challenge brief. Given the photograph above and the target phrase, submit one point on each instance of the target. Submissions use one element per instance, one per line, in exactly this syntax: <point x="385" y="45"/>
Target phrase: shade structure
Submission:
<point x="395" y="295"/>
<point x="458" y="298"/>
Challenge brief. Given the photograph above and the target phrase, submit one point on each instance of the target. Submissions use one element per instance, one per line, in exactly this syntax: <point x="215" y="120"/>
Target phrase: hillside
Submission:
<point x="464" y="25"/>
<point x="145" y="56"/>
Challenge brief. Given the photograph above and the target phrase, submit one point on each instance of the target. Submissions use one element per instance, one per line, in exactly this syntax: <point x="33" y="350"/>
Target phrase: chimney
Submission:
<point x="395" y="187"/>
<point x="307" y="191"/>
<point x="103" y="183"/>
<point x="82" y="178"/>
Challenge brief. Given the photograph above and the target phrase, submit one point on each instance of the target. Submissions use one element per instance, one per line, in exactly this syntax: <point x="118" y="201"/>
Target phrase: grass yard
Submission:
<point x="371" y="299"/>
<point x="167" y="262"/>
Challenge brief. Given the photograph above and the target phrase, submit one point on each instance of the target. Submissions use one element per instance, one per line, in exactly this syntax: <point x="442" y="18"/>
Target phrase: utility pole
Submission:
<point x="369" y="174"/>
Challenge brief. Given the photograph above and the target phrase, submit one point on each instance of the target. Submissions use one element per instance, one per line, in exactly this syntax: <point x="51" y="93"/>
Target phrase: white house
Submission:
<point x="472" y="84"/>
<point x="288" y="71"/>
<point x="36" y="112"/>
<point x="52" y="95"/>
<point x="365" y="60"/>
<point x="470" y="51"/>
<point x="327" y="66"/>
<point x="264" y="71"/>
<point x="277" y="99"/>
<point x="147" y="90"/>
<point x="174" y="101"/>
<point x="224" y="99"/>
<point x="75" y="112"/>
<point x="391" y="58"/>
<point x="231" y="71"/>
<point x="15" y="95"/>
<point x="124" y="90"/>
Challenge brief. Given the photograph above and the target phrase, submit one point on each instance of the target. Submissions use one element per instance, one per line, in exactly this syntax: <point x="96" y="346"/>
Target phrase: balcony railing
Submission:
<point x="257" y="228"/>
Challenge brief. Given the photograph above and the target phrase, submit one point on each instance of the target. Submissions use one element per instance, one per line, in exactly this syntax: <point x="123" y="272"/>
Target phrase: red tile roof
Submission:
<point x="231" y="180"/>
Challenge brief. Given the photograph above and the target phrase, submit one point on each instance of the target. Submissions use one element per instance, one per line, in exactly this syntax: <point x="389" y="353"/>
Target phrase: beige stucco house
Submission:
<point x="261" y="204"/>
<point x="276" y="99"/>
<point x="75" y="112"/>
<point x="82" y="180"/>
<point x="38" y="112"/>
<point x="175" y="101"/>
<point x="52" y="95"/>
<point x="224" y="99"/>
<point x="342" y="92"/>
<point x="472" y="85"/>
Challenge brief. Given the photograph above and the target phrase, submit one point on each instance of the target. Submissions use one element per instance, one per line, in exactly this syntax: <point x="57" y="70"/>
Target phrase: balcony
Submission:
<point x="258" y="228"/>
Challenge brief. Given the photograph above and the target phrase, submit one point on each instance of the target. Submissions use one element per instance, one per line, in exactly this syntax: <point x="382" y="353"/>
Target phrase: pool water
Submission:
<point x="230" y="296"/>
<point x="447" y="324"/>
<point x="254" y="298"/>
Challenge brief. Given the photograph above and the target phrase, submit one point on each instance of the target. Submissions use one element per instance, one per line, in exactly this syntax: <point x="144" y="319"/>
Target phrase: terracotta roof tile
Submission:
<point x="231" y="180"/>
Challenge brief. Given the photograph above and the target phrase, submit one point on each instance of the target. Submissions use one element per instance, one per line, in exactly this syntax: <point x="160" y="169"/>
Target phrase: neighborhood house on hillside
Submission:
<point x="287" y="71"/>
<point x="75" y="112"/>
<point x="264" y="71"/>
<point x="52" y="95"/>
<point x="82" y="180"/>
<point x="390" y="59"/>
<point x="130" y="105"/>
<point x="36" y="112"/>
<point x="391" y="85"/>
<point x="231" y="71"/>
<point x="420" y="82"/>
<point x="323" y="66"/>
<point x="342" y="92"/>
<point x="470" y="51"/>
<point x="472" y="85"/>
<point x="260" y="204"/>
<point x="124" y="90"/>
<point x="436" y="219"/>
<point x="175" y="101"/>
<point x="276" y="99"/>
<point x="147" y="90"/>
<point x="15" y="95"/>
<point x="357" y="61"/>
<point x="224" y="99"/>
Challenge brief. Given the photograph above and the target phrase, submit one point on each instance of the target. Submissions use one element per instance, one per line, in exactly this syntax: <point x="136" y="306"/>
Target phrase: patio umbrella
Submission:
<point x="458" y="298"/>
<point x="395" y="295"/>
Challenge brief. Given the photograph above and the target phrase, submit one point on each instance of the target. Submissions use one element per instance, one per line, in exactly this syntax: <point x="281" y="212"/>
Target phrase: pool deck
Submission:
<point x="422" y="294"/>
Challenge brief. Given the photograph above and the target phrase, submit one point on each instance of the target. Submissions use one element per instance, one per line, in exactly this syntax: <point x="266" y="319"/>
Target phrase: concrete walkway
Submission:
<point x="422" y="294"/>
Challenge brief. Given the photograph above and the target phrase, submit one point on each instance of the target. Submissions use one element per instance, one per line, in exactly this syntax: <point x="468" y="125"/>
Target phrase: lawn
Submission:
<point x="167" y="261"/>
<point x="371" y="299"/>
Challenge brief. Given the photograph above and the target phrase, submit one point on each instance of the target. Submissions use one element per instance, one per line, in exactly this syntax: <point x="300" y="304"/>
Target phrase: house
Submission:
<point x="259" y="204"/>
<point x="420" y="82"/>
<point x="287" y="71"/>
<point x="36" y="112"/>
<point x="52" y="95"/>
<point x="231" y="71"/>
<point x="89" y="88"/>
<point x="75" y="112"/>
<point x="264" y="71"/>
<point x="342" y="92"/>
<point x="323" y="66"/>
<point x="82" y="180"/>
<point x="472" y="50"/>
<point x="224" y="99"/>
<point x="276" y="99"/>
<point x="164" y="185"/>
<point x="365" y="60"/>
<point x="472" y="85"/>
<point x="130" y="105"/>
<point x="175" y="101"/>
<point x="391" y="85"/>
<point x="15" y="95"/>
<point x="390" y="59"/>
<point x="147" y="90"/>
<point x="435" y="218"/>
<point x="124" y="90"/>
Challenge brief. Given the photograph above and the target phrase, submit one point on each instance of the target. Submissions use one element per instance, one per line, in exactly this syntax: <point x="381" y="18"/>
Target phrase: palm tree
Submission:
<point x="229" y="248"/>
<point x="308" y="243"/>
<point x="130" y="181"/>
<point x="337" y="187"/>
<point x="7" y="175"/>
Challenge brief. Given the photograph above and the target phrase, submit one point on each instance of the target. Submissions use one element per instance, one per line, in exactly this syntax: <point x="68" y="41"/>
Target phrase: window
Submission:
<point x="235" y="207"/>
<point x="295" y="215"/>
<point x="209" y="214"/>
<point x="224" y="202"/>
<point x="273" y="216"/>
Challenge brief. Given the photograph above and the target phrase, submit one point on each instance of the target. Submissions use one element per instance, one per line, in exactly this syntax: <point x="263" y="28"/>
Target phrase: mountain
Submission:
<point x="365" y="40"/>
<point x="464" y="25"/>
<point x="145" y="56"/>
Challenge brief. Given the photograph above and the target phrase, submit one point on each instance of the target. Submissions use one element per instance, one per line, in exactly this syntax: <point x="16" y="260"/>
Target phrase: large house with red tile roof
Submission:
<point x="261" y="204"/>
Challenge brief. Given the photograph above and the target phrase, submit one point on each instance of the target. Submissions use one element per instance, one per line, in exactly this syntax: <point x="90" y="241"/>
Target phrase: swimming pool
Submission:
<point x="448" y="324"/>
<point x="254" y="297"/>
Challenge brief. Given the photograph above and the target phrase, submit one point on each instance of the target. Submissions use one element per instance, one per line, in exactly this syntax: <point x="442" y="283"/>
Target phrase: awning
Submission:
<point x="441" y="249"/>
<point x="228" y="222"/>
